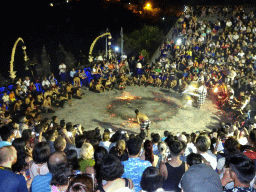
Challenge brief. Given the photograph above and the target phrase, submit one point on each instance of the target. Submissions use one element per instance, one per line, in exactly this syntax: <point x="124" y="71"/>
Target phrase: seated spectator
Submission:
<point x="7" y="133"/>
<point x="27" y="81"/>
<point x="200" y="177"/>
<point x="175" y="168"/>
<point x="111" y="171"/>
<point x="151" y="180"/>
<point x="38" y="166"/>
<point x="193" y="159"/>
<point x="99" y="154"/>
<point x="42" y="183"/>
<point x="134" y="166"/>
<point x="203" y="143"/>
<point x="162" y="153"/>
<point x="148" y="153"/>
<point x="60" y="144"/>
<point x="59" y="181"/>
<point x="155" y="140"/>
<point x="9" y="181"/>
<point x="86" y="157"/>
<point x="105" y="143"/>
<point x="241" y="170"/>
<point x="45" y="83"/>
<point x="120" y="150"/>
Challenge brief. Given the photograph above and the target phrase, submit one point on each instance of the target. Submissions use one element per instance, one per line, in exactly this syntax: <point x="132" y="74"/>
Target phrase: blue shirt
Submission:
<point x="72" y="73"/>
<point x="4" y="143"/>
<point x="41" y="183"/>
<point x="133" y="169"/>
<point x="12" y="182"/>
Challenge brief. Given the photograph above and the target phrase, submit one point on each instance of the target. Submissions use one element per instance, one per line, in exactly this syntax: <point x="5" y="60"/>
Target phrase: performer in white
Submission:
<point x="190" y="90"/>
<point x="202" y="91"/>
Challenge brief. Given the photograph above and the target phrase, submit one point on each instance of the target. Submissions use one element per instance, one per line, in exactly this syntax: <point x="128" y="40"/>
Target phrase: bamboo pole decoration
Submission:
<point x="94" y="42"/>
<point x="12" y="73"/>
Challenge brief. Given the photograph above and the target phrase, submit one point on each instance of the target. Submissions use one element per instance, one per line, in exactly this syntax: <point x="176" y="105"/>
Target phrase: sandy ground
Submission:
<point x="163" y="107"/>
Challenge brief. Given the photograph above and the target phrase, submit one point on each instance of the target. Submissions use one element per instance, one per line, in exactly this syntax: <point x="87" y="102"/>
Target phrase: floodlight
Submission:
<point x="178" y="41"/>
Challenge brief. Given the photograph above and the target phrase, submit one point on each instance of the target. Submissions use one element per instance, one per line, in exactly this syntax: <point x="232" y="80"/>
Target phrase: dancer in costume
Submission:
<point x="143" y="120"/>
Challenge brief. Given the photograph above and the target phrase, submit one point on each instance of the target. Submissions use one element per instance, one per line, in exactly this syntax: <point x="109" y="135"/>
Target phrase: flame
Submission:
<point x="127" y="96"/>
<point x="215" y="90"/>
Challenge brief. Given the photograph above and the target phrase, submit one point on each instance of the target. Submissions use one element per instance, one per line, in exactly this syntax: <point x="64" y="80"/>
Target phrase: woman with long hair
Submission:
<point x="99" y="154"/>
<point x="148" y="153"/>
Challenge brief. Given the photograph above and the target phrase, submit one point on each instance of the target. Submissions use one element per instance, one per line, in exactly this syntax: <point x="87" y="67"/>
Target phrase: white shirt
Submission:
<point x="5" y="98"/>
<point x="105" y="144"/>
<point x="211" y="158"/>
<point x="45" y="83"/>
<point x="62" y="68"/>
<point x="235" y="36"/>
<point x="27" y="82"/>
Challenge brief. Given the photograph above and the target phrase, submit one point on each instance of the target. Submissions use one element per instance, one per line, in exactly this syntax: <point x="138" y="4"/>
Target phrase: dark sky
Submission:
<point x="75" y="25"/>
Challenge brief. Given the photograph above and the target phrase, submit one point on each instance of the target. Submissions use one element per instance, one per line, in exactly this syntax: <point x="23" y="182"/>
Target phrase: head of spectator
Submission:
<point x="148" y="148"/>
<point x="7" y="134"/>
<point x="54" y="119"/>
<point x="99" y="154"/>
<point x="106" y="136"/>
<point x="193" y="159"/>
<point x="151" y="180"/>
<point x="120" y="147"/>
<point x="86" y="151"/>
<point x="252" y="138"/>
<point x="81" y="183"/>
<point x="203" y="143"/>
<point x="117" y="136"/>
<point x="231" y="145"/>
<point x="8" y="156"/>
<point x="156" y="138"/>
<point x="200" y="177"/>
<point x="58" y="166"/>
<point x="41" y="153"/>
<point x="112" y="170"/>
<point x="80" y="139"/>
<point x="176" y="148"/>
<point x="162" y="148"/>
<point x="19" y="144"/>
<point x="241" y="170"/>
<point x="134" y="147"/>
<point x="60" y="144"/>
<point x="72" y="159"/>
<point x="97" y="134"/>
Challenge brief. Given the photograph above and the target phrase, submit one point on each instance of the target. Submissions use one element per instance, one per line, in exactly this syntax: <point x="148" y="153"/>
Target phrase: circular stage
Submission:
<point x="115" y="109"/>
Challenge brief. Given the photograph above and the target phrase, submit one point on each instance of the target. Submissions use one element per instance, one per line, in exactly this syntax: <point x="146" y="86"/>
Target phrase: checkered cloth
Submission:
<point x="145" y="124"/>
<point x="202" y="96"/>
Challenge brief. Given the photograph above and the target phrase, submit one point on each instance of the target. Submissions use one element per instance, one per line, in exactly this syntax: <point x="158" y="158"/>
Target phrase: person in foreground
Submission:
<point x="241" y="170"/>
<point x="9" y="181"/>
<point x="200" y="177"/>
<point x="111" y="171"/>
<point x="151" y="180"/>
<point x="143" y="120"/>
<point x="134" y="166"/>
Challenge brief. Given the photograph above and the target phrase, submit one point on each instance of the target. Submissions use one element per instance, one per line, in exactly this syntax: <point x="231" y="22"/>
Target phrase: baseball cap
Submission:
<point x="201" y="177"/>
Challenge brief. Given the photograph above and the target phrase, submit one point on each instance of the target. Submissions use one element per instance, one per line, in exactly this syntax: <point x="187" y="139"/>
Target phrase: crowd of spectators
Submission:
<point x="40" y="155"/>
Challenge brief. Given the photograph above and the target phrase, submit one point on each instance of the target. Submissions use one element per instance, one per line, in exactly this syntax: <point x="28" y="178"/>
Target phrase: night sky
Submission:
<point x="75" y="25"/>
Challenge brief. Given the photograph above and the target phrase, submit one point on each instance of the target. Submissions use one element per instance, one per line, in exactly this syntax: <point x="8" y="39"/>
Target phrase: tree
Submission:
<point x="148" y="38"/>
<point x="45" y="61"/>
<point x="68" y="58"/>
